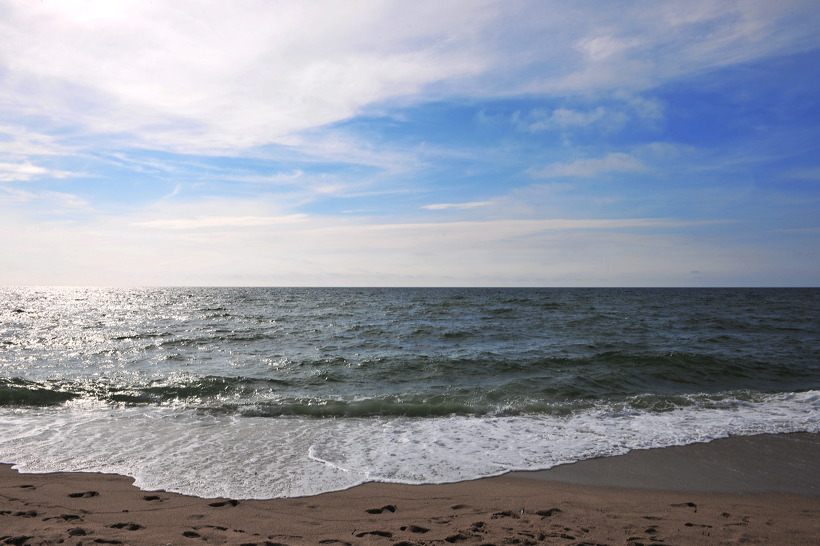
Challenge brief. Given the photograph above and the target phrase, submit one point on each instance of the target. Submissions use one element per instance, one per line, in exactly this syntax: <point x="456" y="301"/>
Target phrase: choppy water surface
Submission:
<point x="264" y="392"/>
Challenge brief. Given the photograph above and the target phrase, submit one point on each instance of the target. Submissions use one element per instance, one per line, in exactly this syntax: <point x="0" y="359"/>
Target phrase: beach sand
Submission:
<point x="753" y="490"/>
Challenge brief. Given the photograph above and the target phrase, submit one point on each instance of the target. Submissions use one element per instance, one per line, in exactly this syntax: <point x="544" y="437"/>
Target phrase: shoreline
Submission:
<point x="763" y="463"/>
<point x="549" y="506"/>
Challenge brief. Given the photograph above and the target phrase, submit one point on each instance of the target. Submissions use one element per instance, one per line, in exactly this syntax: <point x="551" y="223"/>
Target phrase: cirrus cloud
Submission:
<point x="588" y="168"/>
<point x="445" y="206"/>
<point x="221" y="222"/>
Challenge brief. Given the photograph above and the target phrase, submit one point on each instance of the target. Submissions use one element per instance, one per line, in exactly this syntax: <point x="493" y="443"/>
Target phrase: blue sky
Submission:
<point x="391" y="143"/>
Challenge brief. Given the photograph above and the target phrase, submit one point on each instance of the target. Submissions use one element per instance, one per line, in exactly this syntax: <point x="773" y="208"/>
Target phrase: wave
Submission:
<point x="270" y="398"/>
<point x="19" y="392"/>
<point x="424" y="384"/>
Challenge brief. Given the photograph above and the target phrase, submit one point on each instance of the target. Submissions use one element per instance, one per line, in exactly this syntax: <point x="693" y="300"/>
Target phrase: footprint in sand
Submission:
<point x="548" y="513"/>
<point x="229" y="502"/>
<point x="385" y="534"/>
<point x="388" y="508"/>
<point x="26" y="514"/>
<point x="18" y="541"/>
<point x="83" y="495"/>
<point x="415" y="529"/>
<point x="127" y="526"/>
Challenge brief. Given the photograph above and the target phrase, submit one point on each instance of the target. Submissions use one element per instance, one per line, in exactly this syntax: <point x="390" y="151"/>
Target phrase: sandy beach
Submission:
<point x="682" y="495"/>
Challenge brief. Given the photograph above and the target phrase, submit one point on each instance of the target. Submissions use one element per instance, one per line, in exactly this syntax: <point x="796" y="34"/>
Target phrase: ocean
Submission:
<point x="283" y="392"/>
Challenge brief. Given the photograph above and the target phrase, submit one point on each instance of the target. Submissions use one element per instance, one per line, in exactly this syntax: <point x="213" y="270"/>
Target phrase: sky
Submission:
<point x="424" y="143"/>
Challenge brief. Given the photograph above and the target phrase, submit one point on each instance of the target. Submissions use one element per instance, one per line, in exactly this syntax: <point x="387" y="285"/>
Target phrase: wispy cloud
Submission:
<point x="47" y="203"/>
<point x="460" y="206"/>
<point x="20" y="142"/>
<point x="562" y="118"/>
<point x="253" y="73"/>
<point x="26" y="171"/>
<point x="19" y="171"/>
<point x="231" y="77"/>
<point x="222" y="222"/>
<point x="587" y="168"/>
<point x="811" y="173"/>
<point x="245" y="136"/>
<point x="599" y="48"/>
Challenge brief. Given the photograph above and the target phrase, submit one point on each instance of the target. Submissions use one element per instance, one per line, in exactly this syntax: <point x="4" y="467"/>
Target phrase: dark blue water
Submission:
<point x="318" y="380"/>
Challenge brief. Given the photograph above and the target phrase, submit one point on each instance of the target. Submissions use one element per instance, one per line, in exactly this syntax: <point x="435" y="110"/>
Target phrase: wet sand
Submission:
<point x="760" y="489"/>
<point x="782" y="463"/>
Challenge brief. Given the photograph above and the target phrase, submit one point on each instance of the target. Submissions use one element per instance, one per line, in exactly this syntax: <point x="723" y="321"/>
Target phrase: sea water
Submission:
<point x="276" y="392"/>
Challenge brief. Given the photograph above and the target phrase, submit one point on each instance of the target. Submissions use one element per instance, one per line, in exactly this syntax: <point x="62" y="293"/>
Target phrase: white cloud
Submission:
<point x="564" y="117"/>
<point x="444" y="206"/>
<point x="644" y="108"/>
<point x="647" y="43"/>
<point x="588" y="168"/>
<point x="541" y="119"/>
<point x="519" y="228"/>
<point x="19" y="142"/>
<point x="209" y="76"/>
<point x="623" y="108"/>
<point x="50" y="203"/>
<point x="17" y="172"/>
<point x="227" y="75"/>
<point x="560" y="119"/>
<point x="222" y="221"/>
<point x="601" y="48"/>
<point x="65" y="202"/>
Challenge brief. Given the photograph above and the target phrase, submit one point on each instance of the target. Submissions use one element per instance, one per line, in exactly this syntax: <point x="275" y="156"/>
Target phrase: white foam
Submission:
<point x="258" y="457"/>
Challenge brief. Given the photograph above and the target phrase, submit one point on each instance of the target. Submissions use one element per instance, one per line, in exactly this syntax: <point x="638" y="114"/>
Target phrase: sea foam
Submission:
<point x="261" y="457"/>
